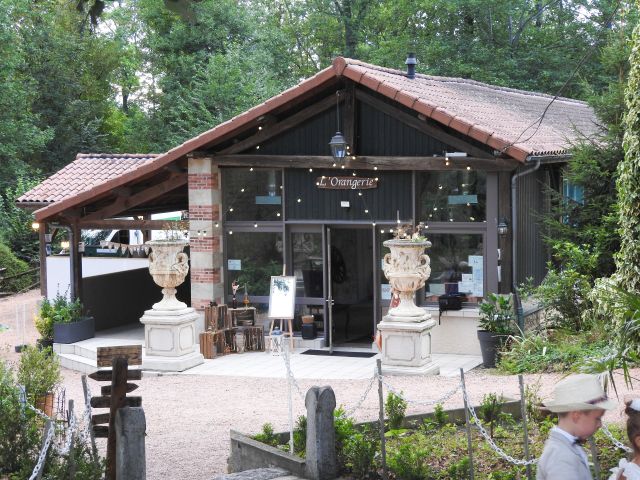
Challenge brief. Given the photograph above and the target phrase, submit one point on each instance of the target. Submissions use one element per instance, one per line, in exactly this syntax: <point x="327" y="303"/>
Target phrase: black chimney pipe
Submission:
<point x="411" y="65"/>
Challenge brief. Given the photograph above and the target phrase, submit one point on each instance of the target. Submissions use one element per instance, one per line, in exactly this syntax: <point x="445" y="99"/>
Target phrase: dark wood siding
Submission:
<point x="380" y="134"/>
<point x="393" y="193"/>
<point x="310" y="138"/>
<point x="532" y="254"/>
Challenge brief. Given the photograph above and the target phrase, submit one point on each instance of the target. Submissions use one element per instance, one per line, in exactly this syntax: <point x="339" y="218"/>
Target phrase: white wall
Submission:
<point x="58" y="270"/>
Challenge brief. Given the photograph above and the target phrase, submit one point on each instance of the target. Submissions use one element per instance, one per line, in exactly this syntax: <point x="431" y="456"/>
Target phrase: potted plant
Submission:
<point x="39" y="374"/>
<point x="495" y="325"/>
<point x="61" y="320"/>
<point x="44" y="324"/>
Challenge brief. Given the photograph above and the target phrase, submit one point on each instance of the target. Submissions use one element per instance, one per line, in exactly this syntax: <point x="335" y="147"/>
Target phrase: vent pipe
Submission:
<point x="411" y="65"/>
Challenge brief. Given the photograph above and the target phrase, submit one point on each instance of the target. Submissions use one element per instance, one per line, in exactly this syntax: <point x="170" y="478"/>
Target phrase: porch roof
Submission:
<point x="513" y="123"/>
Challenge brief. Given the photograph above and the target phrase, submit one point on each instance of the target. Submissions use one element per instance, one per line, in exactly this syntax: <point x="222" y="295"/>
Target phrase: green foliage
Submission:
<point x="15" y="223"/>
<point x="18" y="438"/>
<point x="395" y="407"/>
<point x="558" y="351"/>
<point x="300" y="436"/>
<point x="13" y="266"/>
<point x="344" y="428"/>
<point x="439" y="415"/>
<point x="564" y="292"/>
<point x="38" y="371"/>
<point x="267" y="436"/>
<point x="490" y="410"/>
<point x="408" y="461"/>
<point x="359" y="451"/>
<point x="58" y="310"/>
<point x="497" y="315"/>
<point x="628" y="184"/>
<point x="85" y="467"/>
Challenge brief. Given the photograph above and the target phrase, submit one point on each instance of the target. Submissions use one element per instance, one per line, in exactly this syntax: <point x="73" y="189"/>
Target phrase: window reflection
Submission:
<point x="457" y="266"/>
<point x="452" y="196"/>
<point x="252" y="258"/>
<point x="307" y="263"/>
<point x="252" y="194"/>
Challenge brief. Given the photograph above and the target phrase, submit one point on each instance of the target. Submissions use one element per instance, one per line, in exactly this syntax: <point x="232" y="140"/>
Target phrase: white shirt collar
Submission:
<point x="570" y="437"/>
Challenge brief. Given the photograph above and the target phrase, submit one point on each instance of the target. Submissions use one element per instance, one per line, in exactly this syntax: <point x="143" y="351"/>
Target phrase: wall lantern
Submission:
<point x="64" y="244"/>
<point x="338" y="143"/>
<point x="35" y="226"/>
<point x="503" y="227"/>
<point x="48" y="237"/>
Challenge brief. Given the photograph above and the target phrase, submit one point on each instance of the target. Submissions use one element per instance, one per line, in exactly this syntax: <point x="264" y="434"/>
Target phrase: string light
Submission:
<point x="230" y="232"/>
<point x="257" y="147"/>
<point x="231" y="209"/>
<point x="354" y="174"/>
<point x="217" y="224"/>
<point x="374" y="224"/>
<point x="468" y="167"/>
<point x="439" y="187"/>
<point x="446" y="161"/>
<point x="255" y="225"/>
<point x="334" y="164"/>
<point x="311" y="170"/>
<point x="251" y="169"/>
<point x="299" y="200"/>
<point x="242" y="190"/>
<point x="367" y="211"/>
<point x="278" y="214"/>
<point x="359" y="194"/>
<point x="381" y="231"/>
<point x="342" y="167"/>
<point x="260" y="127"/>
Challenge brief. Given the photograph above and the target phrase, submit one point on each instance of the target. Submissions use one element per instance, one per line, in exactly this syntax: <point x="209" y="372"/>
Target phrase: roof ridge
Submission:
<point x="393" y="71"/>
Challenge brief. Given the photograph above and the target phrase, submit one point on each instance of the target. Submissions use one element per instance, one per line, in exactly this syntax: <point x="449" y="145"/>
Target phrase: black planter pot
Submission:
<point x="490" y="344"/>
<point x="75" y="331"/>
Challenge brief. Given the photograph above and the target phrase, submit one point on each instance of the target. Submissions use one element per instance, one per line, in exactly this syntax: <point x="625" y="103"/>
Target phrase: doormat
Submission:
<point x="341" y="353"/>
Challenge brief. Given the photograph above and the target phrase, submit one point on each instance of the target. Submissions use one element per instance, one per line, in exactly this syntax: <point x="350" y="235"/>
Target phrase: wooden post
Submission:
<point x="94" y="449"/>
<point x="383" y="446"/>
<point x="118" y="394"/>
<point x="594" y="457"/>
<point x="523" y="412"/>
<point x="467" y="424"/>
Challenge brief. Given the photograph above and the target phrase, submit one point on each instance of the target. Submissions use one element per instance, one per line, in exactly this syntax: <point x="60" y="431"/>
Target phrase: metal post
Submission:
<point x="467" y="424"/>
<point x="523" y="412"/>
<point x="383" y="446"/>
<point x="594" y="457"/>
<point x="289" y="402"/>
<point x="72" y="460"/>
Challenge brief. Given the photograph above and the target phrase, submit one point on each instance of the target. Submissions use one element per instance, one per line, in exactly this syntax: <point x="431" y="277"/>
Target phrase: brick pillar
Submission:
<point x="206" y="250"/>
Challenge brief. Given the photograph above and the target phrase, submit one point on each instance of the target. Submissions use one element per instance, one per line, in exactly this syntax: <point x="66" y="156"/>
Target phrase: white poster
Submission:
<point x="385" y="291"/>
<point x="282" y="297"/>
<point x="234" y="264"/>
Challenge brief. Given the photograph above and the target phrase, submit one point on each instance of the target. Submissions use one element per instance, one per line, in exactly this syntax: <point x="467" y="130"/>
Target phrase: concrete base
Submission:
<point x="406" y="346"/>
<point x="170" y="340"/>
<point x="172" y="364"/>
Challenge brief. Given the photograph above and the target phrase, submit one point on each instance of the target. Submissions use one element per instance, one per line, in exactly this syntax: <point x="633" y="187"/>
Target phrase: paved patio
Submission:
<point x="81" y="357"/>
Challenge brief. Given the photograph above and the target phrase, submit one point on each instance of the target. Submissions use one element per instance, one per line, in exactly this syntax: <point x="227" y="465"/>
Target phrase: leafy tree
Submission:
<point x="628" y="258"/>
<point x="15" y="223"/>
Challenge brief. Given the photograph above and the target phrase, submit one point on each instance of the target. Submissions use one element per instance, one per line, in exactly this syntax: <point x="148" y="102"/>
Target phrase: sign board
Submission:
<point x="282" y="297"/>
<point x="346" y="183"/>
<point x="105" y="355"/>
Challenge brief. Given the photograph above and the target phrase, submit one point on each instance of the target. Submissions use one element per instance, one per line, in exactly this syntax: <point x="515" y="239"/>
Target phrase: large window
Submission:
<point x="452" y="196"/>
<point x="457" y="265"/>
<point x="252" y="258"/>
<point x="307" y="263"/>
<point x="252" y="194"/>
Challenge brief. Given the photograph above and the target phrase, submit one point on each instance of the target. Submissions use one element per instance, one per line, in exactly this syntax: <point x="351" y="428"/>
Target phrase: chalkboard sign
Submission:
<point x="282" y="297"/>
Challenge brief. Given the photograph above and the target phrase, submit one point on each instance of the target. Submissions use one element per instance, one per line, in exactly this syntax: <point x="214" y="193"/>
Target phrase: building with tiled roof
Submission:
<point x="263" y="191"/>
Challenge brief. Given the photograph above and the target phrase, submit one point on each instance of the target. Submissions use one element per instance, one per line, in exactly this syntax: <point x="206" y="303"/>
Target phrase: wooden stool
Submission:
<point x="288" y="332"/>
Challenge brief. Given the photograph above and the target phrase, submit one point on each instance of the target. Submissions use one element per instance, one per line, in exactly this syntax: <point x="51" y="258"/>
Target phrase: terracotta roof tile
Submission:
<point x="84" y="173"/>
<point x="501" y="117"/>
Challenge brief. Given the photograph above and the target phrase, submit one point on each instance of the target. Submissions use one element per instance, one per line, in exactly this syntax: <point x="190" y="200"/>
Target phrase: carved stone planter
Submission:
<point x="169" y="326"/>
<point x="406" y="329"/>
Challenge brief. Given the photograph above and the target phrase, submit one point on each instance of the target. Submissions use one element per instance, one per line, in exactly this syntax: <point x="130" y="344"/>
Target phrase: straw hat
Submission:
<point x="579" y="392"/>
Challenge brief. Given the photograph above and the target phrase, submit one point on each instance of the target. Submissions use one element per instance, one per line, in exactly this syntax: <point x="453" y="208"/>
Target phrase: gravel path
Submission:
<point x="189" y="417"/>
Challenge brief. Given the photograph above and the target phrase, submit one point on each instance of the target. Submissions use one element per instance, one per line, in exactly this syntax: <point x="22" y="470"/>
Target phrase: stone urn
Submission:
<point x="169" y="326"/>
<point x="406" y="329"/>
<point x="168" y="265"/>
<point x="407" y="267"/>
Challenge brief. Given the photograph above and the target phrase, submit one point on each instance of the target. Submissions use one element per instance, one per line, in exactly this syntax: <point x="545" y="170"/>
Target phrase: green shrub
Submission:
<point x="395" y="407"/>
<point x="267" y="436"/>
<point x="409" y="461"/>
<point x="497" y="315"/>
<point x="459" y="470"/>
<point x="38" y="372"/>
<point x="19" y="430"/>
<point x="344" y="428"/>
<point x="439" y="415"/>
<point x="300" y="436"/>
<point x="13" y="266"/>
<point x="360" y="450"/>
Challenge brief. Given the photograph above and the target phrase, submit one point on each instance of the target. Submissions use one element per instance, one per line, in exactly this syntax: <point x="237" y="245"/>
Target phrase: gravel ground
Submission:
<point x="189" y="417"/>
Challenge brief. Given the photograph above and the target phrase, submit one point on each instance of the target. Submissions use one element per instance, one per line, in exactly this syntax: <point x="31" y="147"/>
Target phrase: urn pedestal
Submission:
<point x="406" y="329"/>
<point x="169" y="327"/>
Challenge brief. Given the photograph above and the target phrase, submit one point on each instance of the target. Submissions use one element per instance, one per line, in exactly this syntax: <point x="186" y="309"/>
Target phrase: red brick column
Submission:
<point x="205" y="238"/>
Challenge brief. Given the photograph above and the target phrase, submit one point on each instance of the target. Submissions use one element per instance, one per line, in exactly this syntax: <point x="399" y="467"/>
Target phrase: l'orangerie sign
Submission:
<point x="346" y="183"/>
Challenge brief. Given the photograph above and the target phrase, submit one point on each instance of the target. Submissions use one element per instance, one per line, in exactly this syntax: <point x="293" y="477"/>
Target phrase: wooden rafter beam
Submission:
<point x="278" y="128"/>
<point x="422" y="126"/>
<point x="118" y="224"/>
<point x="365" y="162"/>
<point x="124" y="203"/>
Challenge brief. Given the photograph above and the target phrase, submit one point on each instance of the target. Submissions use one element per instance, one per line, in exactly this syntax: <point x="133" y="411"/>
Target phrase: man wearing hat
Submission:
<point x="580" y="403"/>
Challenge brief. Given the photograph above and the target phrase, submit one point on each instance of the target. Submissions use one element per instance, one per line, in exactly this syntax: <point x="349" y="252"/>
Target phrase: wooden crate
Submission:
<point x="206" y="345"/>
<point x="253" y="339"/>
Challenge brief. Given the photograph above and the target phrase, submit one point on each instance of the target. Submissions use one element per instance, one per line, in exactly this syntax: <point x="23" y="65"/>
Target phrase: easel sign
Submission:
<point x="282" y="297"/>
